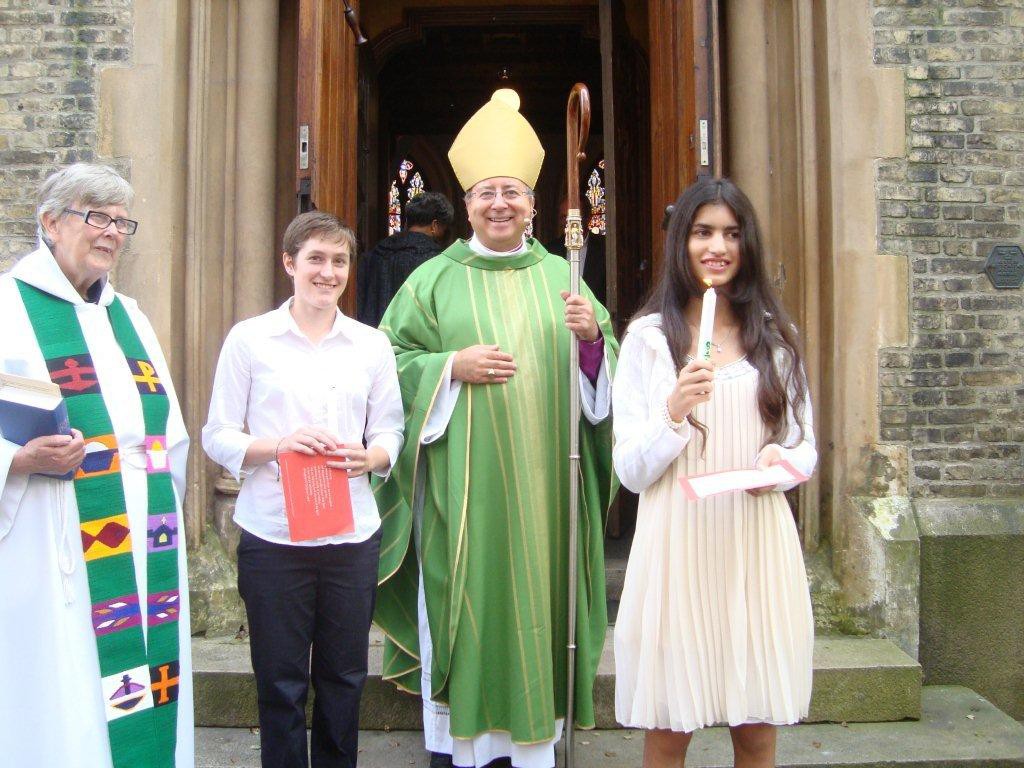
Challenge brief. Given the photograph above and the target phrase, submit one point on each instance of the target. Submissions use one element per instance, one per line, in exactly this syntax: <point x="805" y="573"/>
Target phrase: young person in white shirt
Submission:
<point x="304" y="377"/>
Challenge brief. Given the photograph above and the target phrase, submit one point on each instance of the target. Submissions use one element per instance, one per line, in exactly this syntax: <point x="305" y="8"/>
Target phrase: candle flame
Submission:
<point x="707" y="281"/>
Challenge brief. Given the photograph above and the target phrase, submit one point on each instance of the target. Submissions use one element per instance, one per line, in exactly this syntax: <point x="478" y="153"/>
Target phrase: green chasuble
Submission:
<point x="494" y="491"/>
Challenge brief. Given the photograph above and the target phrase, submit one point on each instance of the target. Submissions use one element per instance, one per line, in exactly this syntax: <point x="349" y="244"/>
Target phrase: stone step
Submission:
<point x="957" y="729"/>
<point x="856" y="679"/>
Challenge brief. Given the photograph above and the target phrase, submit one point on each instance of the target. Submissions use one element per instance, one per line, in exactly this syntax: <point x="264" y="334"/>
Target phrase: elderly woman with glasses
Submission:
<point x="95" y="666"/>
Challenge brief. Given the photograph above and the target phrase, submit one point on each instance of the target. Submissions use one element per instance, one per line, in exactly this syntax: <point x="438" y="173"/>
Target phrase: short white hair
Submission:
<point x="86" y="184"/>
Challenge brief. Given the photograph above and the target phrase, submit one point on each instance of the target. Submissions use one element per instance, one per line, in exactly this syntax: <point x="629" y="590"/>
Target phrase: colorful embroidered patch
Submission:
<point x="119" y="613"/>
<point x="163" y="607"/>
<point x="145" y="377"/>
<point x="74" y="374"/>
<point x="127" y="692"/>
<point x="156" y="454"/>
<point x="101" y="457"/>
<point x="106" y="537"/>
<point x="162" y="532"/>
<point x="164" y="684"/>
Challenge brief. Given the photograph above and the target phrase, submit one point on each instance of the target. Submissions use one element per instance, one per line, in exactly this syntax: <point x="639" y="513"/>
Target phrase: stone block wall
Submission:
<point x="51" y="53"/>
<point x="972" y="598"/>
<point x="955" y="396"/>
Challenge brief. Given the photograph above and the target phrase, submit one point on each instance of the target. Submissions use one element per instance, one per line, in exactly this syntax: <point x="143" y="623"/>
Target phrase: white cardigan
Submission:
<point x="645" y="446"/>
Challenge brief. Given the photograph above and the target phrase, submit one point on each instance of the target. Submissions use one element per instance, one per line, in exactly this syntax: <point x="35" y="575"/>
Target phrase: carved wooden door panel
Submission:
<point x="686" y="136"/>
<point x="327" y="109"/>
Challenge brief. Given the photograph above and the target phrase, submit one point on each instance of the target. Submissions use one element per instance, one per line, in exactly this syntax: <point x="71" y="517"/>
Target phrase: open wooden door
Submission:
<point x="327" y="110"/>
<point x="370" y="194"/>
<point x="626" y="116"/>
<point x="686" y="134"/>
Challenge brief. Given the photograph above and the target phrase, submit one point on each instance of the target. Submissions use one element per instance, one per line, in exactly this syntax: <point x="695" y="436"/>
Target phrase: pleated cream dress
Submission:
<point x="715" y="622"/>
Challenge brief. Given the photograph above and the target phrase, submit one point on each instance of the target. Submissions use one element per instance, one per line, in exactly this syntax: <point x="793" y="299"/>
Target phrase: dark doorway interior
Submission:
<point x="420" y="83"/>
<point x="428" y="88"/>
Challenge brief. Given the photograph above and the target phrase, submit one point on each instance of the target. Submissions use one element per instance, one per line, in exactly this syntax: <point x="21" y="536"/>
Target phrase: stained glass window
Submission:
<point x="407" y="184"/>
<point x="415" y="187"/>
<point x="394" y="209"/>
<point x="596" y="197"/>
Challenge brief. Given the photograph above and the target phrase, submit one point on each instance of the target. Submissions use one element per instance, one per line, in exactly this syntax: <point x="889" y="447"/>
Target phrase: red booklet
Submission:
<point x="316" y="497"/>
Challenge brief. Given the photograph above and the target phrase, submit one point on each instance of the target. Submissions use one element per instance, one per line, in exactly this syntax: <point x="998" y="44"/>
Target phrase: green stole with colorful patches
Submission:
<point x="139" y="674"/>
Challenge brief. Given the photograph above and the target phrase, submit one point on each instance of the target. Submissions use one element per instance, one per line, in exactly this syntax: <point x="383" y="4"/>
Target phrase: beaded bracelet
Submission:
<point x="673" y="425"/>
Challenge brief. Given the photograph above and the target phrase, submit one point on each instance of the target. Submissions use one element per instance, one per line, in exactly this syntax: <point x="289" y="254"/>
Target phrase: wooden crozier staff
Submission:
<point x="577" y="125"/>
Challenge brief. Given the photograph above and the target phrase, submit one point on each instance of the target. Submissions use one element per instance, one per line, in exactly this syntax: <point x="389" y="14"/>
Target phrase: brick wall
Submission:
<point x="956" y="394"/>
<point x="51" y="53"/>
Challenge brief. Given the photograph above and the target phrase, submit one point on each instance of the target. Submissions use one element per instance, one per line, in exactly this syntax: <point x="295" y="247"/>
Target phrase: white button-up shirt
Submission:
<point x="271" y="380"/>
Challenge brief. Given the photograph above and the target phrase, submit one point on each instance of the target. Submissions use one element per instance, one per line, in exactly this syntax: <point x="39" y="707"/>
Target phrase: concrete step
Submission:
<point x="856" y="679"/>
<point x="958" y="729"/>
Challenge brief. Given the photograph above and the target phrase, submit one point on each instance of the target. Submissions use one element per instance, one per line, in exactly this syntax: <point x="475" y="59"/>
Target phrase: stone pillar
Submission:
<point x="874" y="533"/>
<point x="255" y="145"/>
<point x="142" y="112"/>
<point x="205" y="293"/>
<point x="229" y="253"/>
<point x="253" y="235"/>
<point x="810" y="114"/>
<point x="774" y="109"/>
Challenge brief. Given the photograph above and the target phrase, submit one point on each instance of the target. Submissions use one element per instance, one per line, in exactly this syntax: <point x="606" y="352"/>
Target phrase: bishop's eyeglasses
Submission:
<point x="509" y="195"/>
<point x="100" y="220"/>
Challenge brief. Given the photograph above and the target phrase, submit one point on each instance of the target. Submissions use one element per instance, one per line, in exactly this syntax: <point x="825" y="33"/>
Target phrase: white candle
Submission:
<point x="707" y="322"/>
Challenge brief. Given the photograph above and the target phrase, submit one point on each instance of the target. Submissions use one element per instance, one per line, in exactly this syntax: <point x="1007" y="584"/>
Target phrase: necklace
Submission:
<point x="718" y="345"/>
<point x="721" y="343"/>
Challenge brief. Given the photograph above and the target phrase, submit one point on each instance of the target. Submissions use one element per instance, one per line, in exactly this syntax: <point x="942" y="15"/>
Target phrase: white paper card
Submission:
<point x="714" y="483"/>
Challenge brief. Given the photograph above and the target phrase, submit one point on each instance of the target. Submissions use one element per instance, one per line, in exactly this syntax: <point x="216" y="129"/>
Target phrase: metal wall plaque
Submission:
<point x="1005" y="266"/>
<point x="304" y="147"/>
<point x="704" y="144"/>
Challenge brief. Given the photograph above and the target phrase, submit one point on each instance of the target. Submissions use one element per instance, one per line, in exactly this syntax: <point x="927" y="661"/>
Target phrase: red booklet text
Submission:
<point x="316" y="497"/>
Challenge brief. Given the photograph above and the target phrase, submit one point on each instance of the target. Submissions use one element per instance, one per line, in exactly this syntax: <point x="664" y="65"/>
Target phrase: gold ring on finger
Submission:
<point x="490" y="372"/>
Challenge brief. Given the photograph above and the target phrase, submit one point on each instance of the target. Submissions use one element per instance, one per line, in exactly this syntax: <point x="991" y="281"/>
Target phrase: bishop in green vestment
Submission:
<point x="475" y="517"/>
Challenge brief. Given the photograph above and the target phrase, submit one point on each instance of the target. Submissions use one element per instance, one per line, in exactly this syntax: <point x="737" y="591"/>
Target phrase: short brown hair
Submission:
<point x="325" y="226"/>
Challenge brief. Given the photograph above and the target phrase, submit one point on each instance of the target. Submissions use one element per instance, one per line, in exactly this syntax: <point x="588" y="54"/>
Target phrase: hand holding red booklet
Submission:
<point x="316" y="497"/>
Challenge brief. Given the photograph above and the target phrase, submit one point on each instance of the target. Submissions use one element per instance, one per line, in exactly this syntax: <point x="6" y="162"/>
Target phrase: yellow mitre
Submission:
<point x="497" y="141"/>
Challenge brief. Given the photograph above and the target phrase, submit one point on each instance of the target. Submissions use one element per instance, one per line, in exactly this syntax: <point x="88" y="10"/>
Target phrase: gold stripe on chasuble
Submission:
<point x="548" y="306"/>
<point x="437" y="487"/>
<point x="415" y="470"/>
<point x="559" y="371"/>
<point x="429" y="317"/>
<point x="525" y="395"/>
<point x="386" y="550"/>
<point x="478" y="641"/>
<point x="408" y="651"/>
<point x="494" y="401"/>
<point x="464" y="507"/>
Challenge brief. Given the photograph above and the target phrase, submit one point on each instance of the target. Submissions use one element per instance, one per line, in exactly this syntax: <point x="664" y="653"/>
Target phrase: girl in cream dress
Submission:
<point x="715" y="623"/>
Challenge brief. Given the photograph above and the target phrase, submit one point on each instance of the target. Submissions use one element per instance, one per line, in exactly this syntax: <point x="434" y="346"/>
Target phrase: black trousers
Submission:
<point x="297" y="599"/>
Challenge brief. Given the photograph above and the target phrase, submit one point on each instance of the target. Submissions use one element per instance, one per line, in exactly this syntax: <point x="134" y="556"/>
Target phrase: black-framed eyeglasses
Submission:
<point x="100" y="220"/>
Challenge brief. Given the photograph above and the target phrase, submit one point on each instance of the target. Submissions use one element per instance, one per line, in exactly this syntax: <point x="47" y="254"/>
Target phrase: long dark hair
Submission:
<point x="765" y="328"/>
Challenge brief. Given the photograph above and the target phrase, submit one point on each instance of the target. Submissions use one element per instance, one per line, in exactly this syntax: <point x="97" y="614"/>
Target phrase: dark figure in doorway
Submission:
<point x="383" y="269"/>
